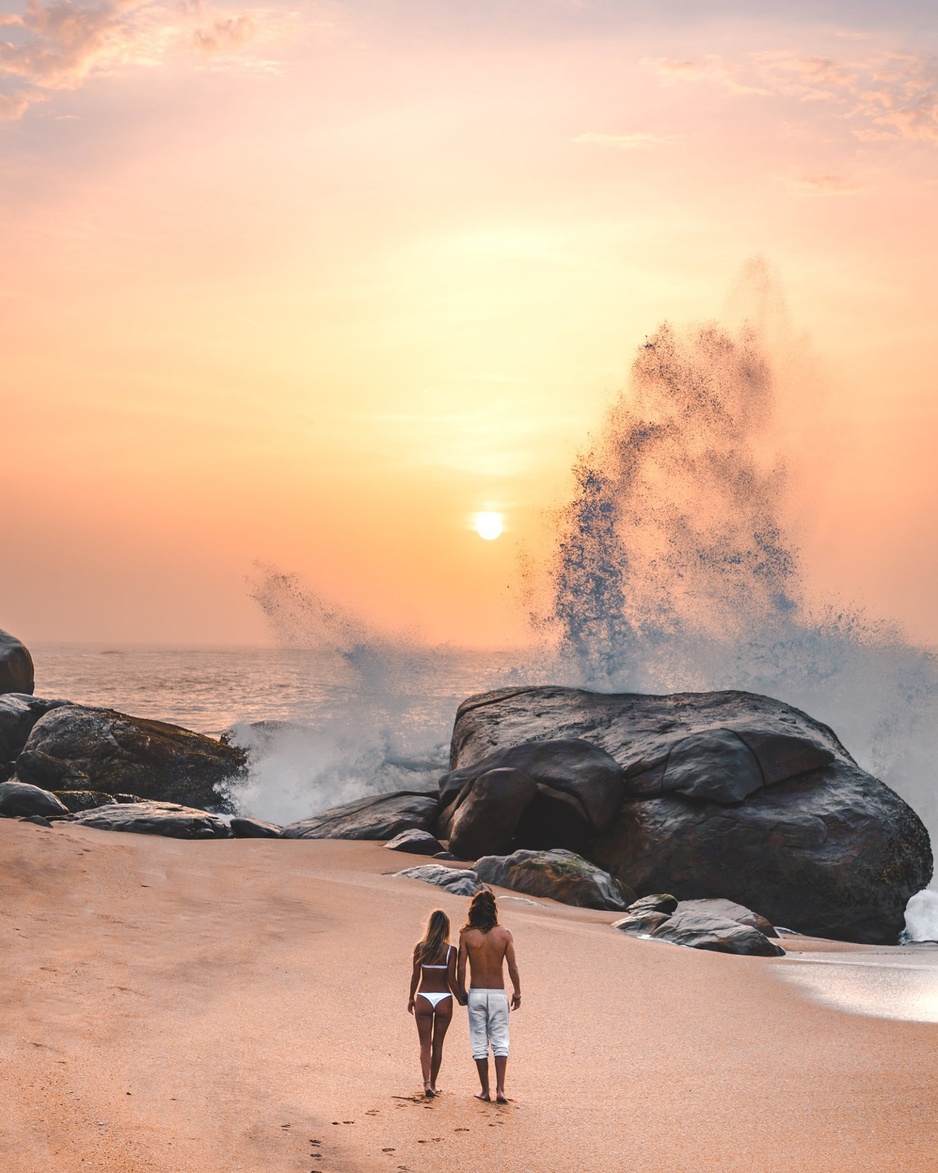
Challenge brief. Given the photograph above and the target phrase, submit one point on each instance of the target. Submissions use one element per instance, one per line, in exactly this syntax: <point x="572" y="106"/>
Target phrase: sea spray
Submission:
<point x="672" y="567"/>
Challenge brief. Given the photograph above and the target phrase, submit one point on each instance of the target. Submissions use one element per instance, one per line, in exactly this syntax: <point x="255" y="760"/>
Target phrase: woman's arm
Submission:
<point x="451" y="975"/>
<point x="414" y="983"/>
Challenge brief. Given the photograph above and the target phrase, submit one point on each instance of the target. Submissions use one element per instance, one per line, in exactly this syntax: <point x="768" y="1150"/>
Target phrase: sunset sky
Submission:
<point x="308" y="285"/>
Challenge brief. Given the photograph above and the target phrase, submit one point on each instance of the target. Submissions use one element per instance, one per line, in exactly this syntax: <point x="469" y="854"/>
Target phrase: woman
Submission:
<point x="432" y="1004"/>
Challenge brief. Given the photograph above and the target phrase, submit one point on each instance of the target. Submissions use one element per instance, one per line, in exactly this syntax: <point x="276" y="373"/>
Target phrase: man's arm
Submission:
<point x="513" y="972"/>
<point x="461" y="994"/>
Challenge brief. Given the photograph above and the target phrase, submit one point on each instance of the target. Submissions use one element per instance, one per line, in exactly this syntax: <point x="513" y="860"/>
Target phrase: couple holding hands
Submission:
<point x="439" y="975"/>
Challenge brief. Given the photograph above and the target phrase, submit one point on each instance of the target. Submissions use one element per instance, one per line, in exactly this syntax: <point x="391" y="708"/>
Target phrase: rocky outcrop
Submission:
<point x="16" y="665"/>
<point x="380" y="817"/>
<point x="415" y="843"/>
<point x="78" y="748"/>
<point x="487" y="817"/>
<point x="254" y="829"/>
<point x="727" y="792"/>
<point x="19" y="712"/>
<point x="691" y="925"/>
<point x="20" y="798"/>
<point x="550" y="793"/>
<point x="558" y="874"/>
<point x="456" y="881"/>
<point x="155" y="818"/>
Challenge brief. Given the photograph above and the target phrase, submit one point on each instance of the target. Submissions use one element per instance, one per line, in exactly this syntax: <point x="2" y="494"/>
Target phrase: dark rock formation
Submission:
<point x="456" y="881"/>
<point x="728" y="910"/>
<point x="254" y="829"/>
<point x="16" y="666"/>
<point x="380" y="817"/>
<point x="415" y="843"/>
<point x="84" y="800"/>
<point x="155" y="818"/>
<point x="558" y="874"/>
<point x="832" y="853"/>
<point x="486" y="818"/>
<point x="577" y="790"/>
<point x="728" y="792"/>
<point x="19" y="712"/>
<point x="21" y="799"/>
<point x="78" y="748"/>
<point x="698" y="930"/>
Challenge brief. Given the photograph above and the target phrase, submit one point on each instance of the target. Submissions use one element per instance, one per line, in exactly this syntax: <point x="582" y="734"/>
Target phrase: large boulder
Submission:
<point x="155" y="818"/>
<point x="19" y="799"/>
<point x="730" y="910"/>
<point x="558" y="874"/>
<point x="488" y="815"/>
<point x="729" y="793"/>
<point x="832" y="853"/>
<point x="16" y="665"/>
<point x="84" y="800"/>
<point x="576" y="781"/>
<point x="19" y="712"/>
<point x="456" y="881"/>
<point x="378" y="817"/>
<point x="242" y="828"/>
<point x="78" y="748"/>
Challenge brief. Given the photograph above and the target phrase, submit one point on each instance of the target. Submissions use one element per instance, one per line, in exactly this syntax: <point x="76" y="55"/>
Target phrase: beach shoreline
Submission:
<point x="190" y="1007"/>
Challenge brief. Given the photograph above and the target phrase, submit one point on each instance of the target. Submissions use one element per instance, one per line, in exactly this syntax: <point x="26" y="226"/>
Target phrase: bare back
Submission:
<point x="487" y="954"/>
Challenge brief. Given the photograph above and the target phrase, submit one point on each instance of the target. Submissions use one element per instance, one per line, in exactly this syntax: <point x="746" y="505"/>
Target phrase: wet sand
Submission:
<point x="241" y="1005"/>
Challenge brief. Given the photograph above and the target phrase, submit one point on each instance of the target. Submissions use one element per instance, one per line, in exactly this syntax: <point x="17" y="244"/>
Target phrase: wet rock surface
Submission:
<point x="78" y="748"/>
<point x="20" y="799"/>
<point x="456" y="881"/>
<point x="728" y="910"/>
<point x="726" y="792"/>
<point x="415" y="843"/>
<point x="487" y="817"/>
<point x="155" y="818"/>
<point x="380" y="817"/>
<point x="558" y="874"/>
<point x="16" y="665"/>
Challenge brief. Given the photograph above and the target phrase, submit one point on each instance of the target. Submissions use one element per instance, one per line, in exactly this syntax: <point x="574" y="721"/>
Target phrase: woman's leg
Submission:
<point x="423" y="1012"/>
<point x="441" y="1021"/>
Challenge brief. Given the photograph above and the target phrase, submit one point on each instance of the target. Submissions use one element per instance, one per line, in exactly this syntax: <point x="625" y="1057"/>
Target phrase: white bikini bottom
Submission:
<point x="434" y="999"/>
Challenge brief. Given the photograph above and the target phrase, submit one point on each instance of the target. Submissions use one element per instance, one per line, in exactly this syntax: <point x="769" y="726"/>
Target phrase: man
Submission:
<point x="487" y="946"/>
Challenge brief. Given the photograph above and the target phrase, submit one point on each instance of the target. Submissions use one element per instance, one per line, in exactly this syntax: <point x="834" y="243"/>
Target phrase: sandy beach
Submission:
<point x="241" y="1005"/>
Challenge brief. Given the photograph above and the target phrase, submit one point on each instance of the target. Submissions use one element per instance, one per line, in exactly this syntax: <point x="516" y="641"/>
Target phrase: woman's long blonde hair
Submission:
<point x="432" y="948"/>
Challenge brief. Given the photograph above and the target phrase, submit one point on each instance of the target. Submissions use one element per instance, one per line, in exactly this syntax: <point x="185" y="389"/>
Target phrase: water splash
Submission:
<point x="673" y="566"/>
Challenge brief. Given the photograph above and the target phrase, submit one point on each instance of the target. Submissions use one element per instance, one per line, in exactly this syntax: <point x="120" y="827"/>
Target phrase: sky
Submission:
<point x="305" y="286"/>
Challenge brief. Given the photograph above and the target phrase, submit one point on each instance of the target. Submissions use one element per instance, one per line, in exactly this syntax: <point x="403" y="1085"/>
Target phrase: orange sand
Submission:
<point x="189" y="1007"/>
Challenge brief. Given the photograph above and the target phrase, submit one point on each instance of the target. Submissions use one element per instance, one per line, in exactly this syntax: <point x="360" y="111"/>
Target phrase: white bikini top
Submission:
<point x="445" y="964"/>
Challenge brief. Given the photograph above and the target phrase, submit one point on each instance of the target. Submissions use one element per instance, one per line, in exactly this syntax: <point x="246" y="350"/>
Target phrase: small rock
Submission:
<point x="642" y="923"/>
<point x="379" y="816"/>
<point x="658" y="902"/>
<point x="558" y="874"/>
<point x="416" y="843"/>
<point x="155" y="818"/>
<point x="254" y="829"/>
<point x="22" y="799"/>
<point x="37" y="819"/>
<point x="457" y="881"/>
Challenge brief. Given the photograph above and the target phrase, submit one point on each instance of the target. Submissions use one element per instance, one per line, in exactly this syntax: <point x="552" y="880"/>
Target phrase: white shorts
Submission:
<point x="488" y="1022"/>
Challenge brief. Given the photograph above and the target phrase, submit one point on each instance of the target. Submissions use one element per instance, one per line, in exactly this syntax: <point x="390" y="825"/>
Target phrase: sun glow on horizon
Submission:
<point x="488" y="525"/>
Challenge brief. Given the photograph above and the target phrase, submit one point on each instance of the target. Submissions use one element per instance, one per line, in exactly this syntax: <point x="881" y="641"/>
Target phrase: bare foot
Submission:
<point x="437" y="1091"/>
<point x="428" y="1091"/>
<point x="501" y="1098"/>
<point x="484" y="1096"/>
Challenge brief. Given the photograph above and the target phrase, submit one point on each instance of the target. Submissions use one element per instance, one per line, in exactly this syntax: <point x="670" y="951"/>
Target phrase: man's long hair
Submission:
<point x="483" y="912"/>
<point x="431" y="950"/>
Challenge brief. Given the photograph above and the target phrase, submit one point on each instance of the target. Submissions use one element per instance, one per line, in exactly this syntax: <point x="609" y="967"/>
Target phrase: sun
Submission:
<point x="488" y="525"/>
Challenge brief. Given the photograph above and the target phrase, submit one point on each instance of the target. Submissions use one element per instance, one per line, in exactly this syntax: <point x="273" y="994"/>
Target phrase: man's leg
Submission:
<point x="478" y="1038"/>
<point x="498" y="1033"/>
<point x="482" y="1066"/>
